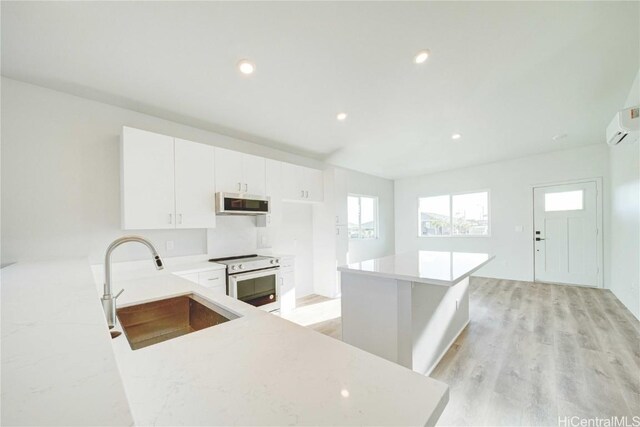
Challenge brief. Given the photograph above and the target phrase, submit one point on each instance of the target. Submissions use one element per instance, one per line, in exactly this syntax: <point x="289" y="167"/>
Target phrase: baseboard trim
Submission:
<point x="428" y="373"/>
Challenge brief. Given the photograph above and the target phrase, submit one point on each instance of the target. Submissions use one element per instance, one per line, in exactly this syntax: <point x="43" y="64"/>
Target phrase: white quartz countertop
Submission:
<point x="258" y="369"/>
<point x="58" y="365"/>
<point x="430" y="267"/>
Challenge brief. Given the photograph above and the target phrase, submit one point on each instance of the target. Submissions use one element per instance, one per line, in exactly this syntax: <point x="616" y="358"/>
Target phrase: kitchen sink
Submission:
<point x="154" y="322"/>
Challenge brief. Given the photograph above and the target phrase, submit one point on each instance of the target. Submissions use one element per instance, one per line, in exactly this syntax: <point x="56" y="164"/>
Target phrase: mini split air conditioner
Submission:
<point x="624" y="126"/>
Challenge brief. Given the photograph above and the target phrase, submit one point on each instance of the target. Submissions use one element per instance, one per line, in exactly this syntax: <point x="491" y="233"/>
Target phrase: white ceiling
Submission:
<point x="508" y="76"/>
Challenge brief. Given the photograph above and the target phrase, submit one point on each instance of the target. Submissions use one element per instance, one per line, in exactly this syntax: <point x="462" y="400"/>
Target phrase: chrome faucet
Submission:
<point x="108" y="300"/>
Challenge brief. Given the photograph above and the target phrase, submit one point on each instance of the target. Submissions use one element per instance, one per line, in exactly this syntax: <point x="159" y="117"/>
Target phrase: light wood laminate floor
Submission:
<point x="532" y="352"/>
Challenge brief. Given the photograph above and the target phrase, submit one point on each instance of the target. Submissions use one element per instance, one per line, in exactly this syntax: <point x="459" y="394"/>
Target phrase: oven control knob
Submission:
<point x="276" y="261"/>
<point x="234" y="267"/>
<point x="241" y="267"/>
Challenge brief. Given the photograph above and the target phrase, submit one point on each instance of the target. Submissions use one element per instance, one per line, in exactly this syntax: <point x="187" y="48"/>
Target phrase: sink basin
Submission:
<point x="154" y="322"/>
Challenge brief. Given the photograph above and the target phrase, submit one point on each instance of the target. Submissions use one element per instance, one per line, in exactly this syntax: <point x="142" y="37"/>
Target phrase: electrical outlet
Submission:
<point x="169" y="245"/>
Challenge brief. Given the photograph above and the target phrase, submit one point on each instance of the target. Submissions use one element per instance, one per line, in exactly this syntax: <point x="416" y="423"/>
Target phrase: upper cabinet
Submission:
<point x="301" y="183"/>
<point x="254" y="173"/>
<point x="166" y="182"/>
<point x="147" y="180"/>
<point x="340" y="195"/>
<point x="195" y="185"/>
<point x="170" y="183"/>
<point x="239" y="173"/>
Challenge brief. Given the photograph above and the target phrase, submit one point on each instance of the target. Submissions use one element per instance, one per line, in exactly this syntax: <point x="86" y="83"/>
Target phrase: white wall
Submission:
<point x="60" y="180"/>
<point x="368" y="185"/>
<point x="625" y="217"/>
<point x="331" y="246"/>
<point x="510" y="185"/>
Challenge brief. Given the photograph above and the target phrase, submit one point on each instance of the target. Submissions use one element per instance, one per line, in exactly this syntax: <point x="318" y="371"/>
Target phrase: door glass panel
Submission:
<point x="257" y="291"/>
<point x="564" y="201"/>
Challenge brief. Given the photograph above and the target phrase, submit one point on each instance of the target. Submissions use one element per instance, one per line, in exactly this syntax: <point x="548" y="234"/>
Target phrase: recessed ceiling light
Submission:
<point x="246" y="67"/>
<point x="341" y="116"/>
<point x="344" y="392"/>
<point x="456" y="136"/>
<point x="422" y="56"/>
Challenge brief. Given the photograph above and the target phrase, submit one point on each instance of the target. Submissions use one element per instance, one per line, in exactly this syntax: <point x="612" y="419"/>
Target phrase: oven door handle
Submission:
<point x="254" y="274"/>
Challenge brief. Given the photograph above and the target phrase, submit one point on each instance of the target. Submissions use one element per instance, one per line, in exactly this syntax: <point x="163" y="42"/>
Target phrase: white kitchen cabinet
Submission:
<point x="302" y="184"/>
<point x="340" y="194"/>
<point x="287" y="285"/>
<point x="192" y="277"/>
<point x="194" y="185"/>
<point x="254" y="174"/>
<point x="216" y="280"/>
<point x="166" y="182"/>
<point x="239" y="173"/>
<point x="290" y="185"/>
<point x="313" y="180"/>
<point x="147" y="180"/>
<point x="228" y="171"/>
<point x="274" y="178"/>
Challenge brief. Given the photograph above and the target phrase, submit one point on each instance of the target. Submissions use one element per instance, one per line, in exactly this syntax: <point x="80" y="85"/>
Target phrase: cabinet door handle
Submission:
<point x="337" y="231"/>
<point x="246" y="187"/>
<point x="170" y="218"/>
<point x="180" y="219"/>
<point x="302" y="193"/>
<point x="239" y="187"/>
<point x="214" y="278"/>
<point x="306" y="194"/>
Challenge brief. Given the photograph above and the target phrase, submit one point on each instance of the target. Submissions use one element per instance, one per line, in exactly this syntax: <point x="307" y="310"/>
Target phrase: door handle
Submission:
<point x="538" y="239"/>
<point x="246" y="187"/>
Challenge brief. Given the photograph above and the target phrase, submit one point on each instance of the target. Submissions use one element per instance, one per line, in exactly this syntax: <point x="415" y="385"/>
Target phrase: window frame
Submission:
<point x="376" y="216"/>
<point x="455" y="236"/>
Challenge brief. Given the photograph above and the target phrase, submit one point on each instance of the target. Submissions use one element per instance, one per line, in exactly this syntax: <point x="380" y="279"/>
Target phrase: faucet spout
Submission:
<point x="108" y="300"/>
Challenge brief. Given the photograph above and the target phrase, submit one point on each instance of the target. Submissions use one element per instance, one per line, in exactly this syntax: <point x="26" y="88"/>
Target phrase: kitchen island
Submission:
<point x="60" y="367"/>
<point x="408" y="308"/>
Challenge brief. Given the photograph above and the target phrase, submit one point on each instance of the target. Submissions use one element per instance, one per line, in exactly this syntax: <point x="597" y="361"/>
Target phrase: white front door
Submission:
<point x="566" y="234"/>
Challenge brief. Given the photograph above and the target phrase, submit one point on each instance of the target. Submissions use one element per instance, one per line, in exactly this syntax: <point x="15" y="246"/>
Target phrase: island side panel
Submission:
<point x="439" y="314"/>
<point x="370" y="316"/>
<point x="405" y="323"/>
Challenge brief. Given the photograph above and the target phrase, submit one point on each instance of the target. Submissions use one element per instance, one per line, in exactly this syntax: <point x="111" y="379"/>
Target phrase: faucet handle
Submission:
<point x="119" y="293"/>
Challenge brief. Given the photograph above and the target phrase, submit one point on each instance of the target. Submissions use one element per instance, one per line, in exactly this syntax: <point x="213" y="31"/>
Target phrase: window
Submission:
<point x="564" y="201"/>
<point x="454" y="215"/>
<point x="362" y="217"/>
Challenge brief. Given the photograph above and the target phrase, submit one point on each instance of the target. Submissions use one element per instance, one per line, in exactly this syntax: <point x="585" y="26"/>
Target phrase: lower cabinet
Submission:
<point x="216" y="280"/>
<point x="287" y="285"/>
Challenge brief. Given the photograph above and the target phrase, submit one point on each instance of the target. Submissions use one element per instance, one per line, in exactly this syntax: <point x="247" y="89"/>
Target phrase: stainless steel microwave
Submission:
<point x="242" y="204"/>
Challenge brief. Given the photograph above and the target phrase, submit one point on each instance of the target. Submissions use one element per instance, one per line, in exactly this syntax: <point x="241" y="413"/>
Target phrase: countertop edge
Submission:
<point x="415" y="279"/>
